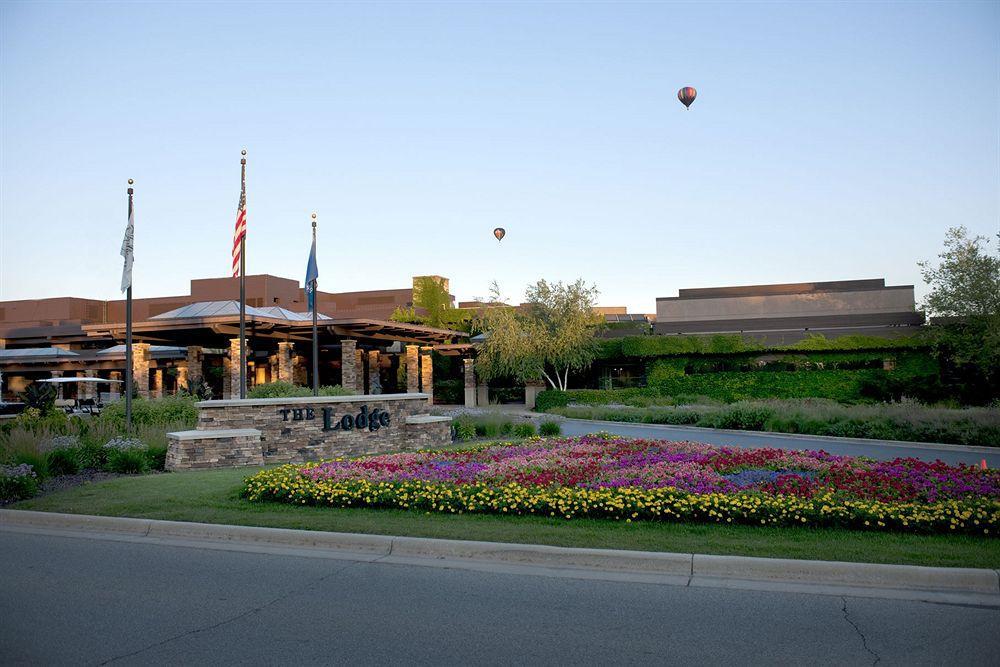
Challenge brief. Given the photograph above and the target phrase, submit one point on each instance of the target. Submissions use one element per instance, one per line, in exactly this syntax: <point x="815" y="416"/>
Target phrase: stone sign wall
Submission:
<point x="307" y="429"/>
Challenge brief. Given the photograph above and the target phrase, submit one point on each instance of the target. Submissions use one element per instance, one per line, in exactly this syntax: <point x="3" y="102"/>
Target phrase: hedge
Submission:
<point x="660" y="346"/>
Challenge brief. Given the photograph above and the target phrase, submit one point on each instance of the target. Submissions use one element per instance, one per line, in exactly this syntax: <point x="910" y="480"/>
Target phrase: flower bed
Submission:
<point x="629" y="479"/>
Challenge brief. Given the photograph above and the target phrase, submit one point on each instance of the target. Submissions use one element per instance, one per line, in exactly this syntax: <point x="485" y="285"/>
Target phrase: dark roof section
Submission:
<point x="783" y="288"/>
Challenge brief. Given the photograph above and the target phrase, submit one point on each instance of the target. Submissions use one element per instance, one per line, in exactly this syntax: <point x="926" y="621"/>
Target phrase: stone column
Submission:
<point x="412" y="369"/>
<point x="87" y="389"/>
<point x="140" y="369"/>
<point x="157" y="391"/>
<point x="58" y="386"/>
<point x="234" y="366"/>
<point x="286" y="352"/>
<point x="195" y="371"/>
<point x="374" y="378"/>
<point x="348" y="364"/>
<point x="182" y="377"/>
<point x="469" y="368"/>
<point x="483" y="395"/>
<point x="427" y="375"/>
<point x="359" y="372"/>
<point x="531" y="391"/>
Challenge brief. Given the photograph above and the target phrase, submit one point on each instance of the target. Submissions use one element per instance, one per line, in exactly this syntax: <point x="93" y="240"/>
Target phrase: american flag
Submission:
<point x="240" y="232"/>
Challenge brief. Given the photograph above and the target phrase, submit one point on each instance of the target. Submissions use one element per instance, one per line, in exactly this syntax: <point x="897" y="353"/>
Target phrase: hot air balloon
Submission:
<point x="686" y="95"/>
<point x="499" y="232"/>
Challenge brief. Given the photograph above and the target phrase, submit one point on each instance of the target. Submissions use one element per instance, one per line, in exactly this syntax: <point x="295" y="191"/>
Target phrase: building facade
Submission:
<point x="788" y="312"/>
<point x="192" y="338"/>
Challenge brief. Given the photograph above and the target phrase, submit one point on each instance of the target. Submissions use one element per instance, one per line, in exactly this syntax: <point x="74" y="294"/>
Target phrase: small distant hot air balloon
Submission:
<point x="499" y="232"/>
<point x="686" y="95"/>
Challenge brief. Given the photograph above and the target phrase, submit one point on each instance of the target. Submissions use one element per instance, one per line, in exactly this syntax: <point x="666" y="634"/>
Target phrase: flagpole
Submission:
<point x="315" y="306"/>
<point x="128" y="334"/>
<point x="243" y="287"/>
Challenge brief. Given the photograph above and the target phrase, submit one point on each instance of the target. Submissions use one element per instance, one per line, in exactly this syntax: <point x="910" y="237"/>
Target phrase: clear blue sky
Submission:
<point x="828" y="141"/>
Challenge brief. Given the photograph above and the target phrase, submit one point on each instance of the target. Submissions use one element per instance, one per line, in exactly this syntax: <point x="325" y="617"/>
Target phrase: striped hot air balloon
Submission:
<point x="686" y="95"/>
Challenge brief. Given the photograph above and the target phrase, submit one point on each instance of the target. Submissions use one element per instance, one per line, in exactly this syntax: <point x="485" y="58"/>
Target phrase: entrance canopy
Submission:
<point x="214" y="323"/>
<point x="91" y="380"/>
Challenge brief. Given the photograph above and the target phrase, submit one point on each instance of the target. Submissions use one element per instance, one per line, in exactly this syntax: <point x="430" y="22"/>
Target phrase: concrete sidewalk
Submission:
<point x="953" y="585"/>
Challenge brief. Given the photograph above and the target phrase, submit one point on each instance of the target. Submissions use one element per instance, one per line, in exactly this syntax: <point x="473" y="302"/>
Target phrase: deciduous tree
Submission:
<point x="550" y="335"/>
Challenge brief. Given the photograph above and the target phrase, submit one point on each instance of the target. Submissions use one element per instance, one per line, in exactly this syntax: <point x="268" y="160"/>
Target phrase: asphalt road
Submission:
<point x="71" y="601"/>
<point x="877" y="449"/>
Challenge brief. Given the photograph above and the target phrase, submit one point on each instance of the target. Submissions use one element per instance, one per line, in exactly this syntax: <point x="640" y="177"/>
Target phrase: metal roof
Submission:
<point x="223" y="308"/>
<point x="284" y="313"/>
<point x="207" y="309"/>
<point x="36" y="353"/>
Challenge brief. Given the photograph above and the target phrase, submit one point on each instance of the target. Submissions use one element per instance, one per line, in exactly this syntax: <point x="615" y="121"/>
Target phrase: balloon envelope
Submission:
<point x="686" y="95"/>
<point x="499" y="232"/>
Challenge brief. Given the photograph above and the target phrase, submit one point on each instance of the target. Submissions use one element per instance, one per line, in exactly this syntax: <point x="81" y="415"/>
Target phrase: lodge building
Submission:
<point x="180" y="339"/>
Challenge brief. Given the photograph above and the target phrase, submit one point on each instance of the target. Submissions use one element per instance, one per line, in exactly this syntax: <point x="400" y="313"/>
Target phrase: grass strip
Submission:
<point x="213" y="496"/>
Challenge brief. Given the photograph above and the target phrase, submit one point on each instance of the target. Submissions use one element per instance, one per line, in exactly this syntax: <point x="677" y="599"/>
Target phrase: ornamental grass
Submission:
<point x="626" y="479"/>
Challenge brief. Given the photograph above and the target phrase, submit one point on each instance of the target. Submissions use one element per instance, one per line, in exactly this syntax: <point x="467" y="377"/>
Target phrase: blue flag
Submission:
<point x="312" y="273"/>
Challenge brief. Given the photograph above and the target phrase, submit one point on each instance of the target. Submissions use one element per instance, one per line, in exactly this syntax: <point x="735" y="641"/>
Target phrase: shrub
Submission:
<point x="91" y="456"/>
<point x="127" y="456"/>
<point x="283" y="389"/>
<point x="524" y="430"/>
<point x="63" y="461"/>
<point x="128" y="461"/>
<point x="549" y="428"/>
<point x="167" y="410"/>
<point x="17" y="482"/>
<point x="157" y="457"/>
<point x="465" y="429"/>
<point x="449" y="392"/>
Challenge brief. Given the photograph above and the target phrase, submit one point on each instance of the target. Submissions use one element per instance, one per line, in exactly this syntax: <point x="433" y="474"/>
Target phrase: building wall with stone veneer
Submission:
<point x="305" y="440"/>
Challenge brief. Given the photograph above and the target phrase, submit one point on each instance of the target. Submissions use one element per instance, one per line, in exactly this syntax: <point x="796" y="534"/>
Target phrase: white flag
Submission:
<point x="127" y="244"/>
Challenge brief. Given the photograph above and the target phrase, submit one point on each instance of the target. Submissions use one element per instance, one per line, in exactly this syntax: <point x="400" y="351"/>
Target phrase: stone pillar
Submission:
<point x="530" y="393"/>
<point x="348" y="364"/>
<point x="140" y="369"/>
<point x="58" y="386"/>
<point x="88" y="389"/>
<point x="359" y="372"/>
<point x="412" y="369"/>
<point x="483" y="395"/>
<point x="157" y="391"/>
<point x="234" y="366"/>
<point x="195" y="371"/>
<point x="469" y="368"/>
<point x="374" y="379"/>
<point x="427" y="375"/>
<point x="286" y="352"/>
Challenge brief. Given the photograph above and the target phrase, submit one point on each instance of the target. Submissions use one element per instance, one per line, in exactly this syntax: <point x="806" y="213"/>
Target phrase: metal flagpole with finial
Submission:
<point x="127" y="250"/>
<point x="315" y="282"/>
<point x="243" y="281"/>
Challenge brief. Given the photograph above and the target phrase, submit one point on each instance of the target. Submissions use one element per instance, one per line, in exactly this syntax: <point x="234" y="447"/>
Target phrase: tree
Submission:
<point x="964" y="300"/>
<point x="552" y="334"/>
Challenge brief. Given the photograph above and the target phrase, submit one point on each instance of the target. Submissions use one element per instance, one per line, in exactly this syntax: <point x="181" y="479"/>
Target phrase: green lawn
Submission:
<point x="213" y="497"/>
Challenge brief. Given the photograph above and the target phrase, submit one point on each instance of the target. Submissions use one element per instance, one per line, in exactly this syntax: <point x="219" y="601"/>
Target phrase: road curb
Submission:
<point x="908" y="444"/>
<point x="690" y="566"/>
